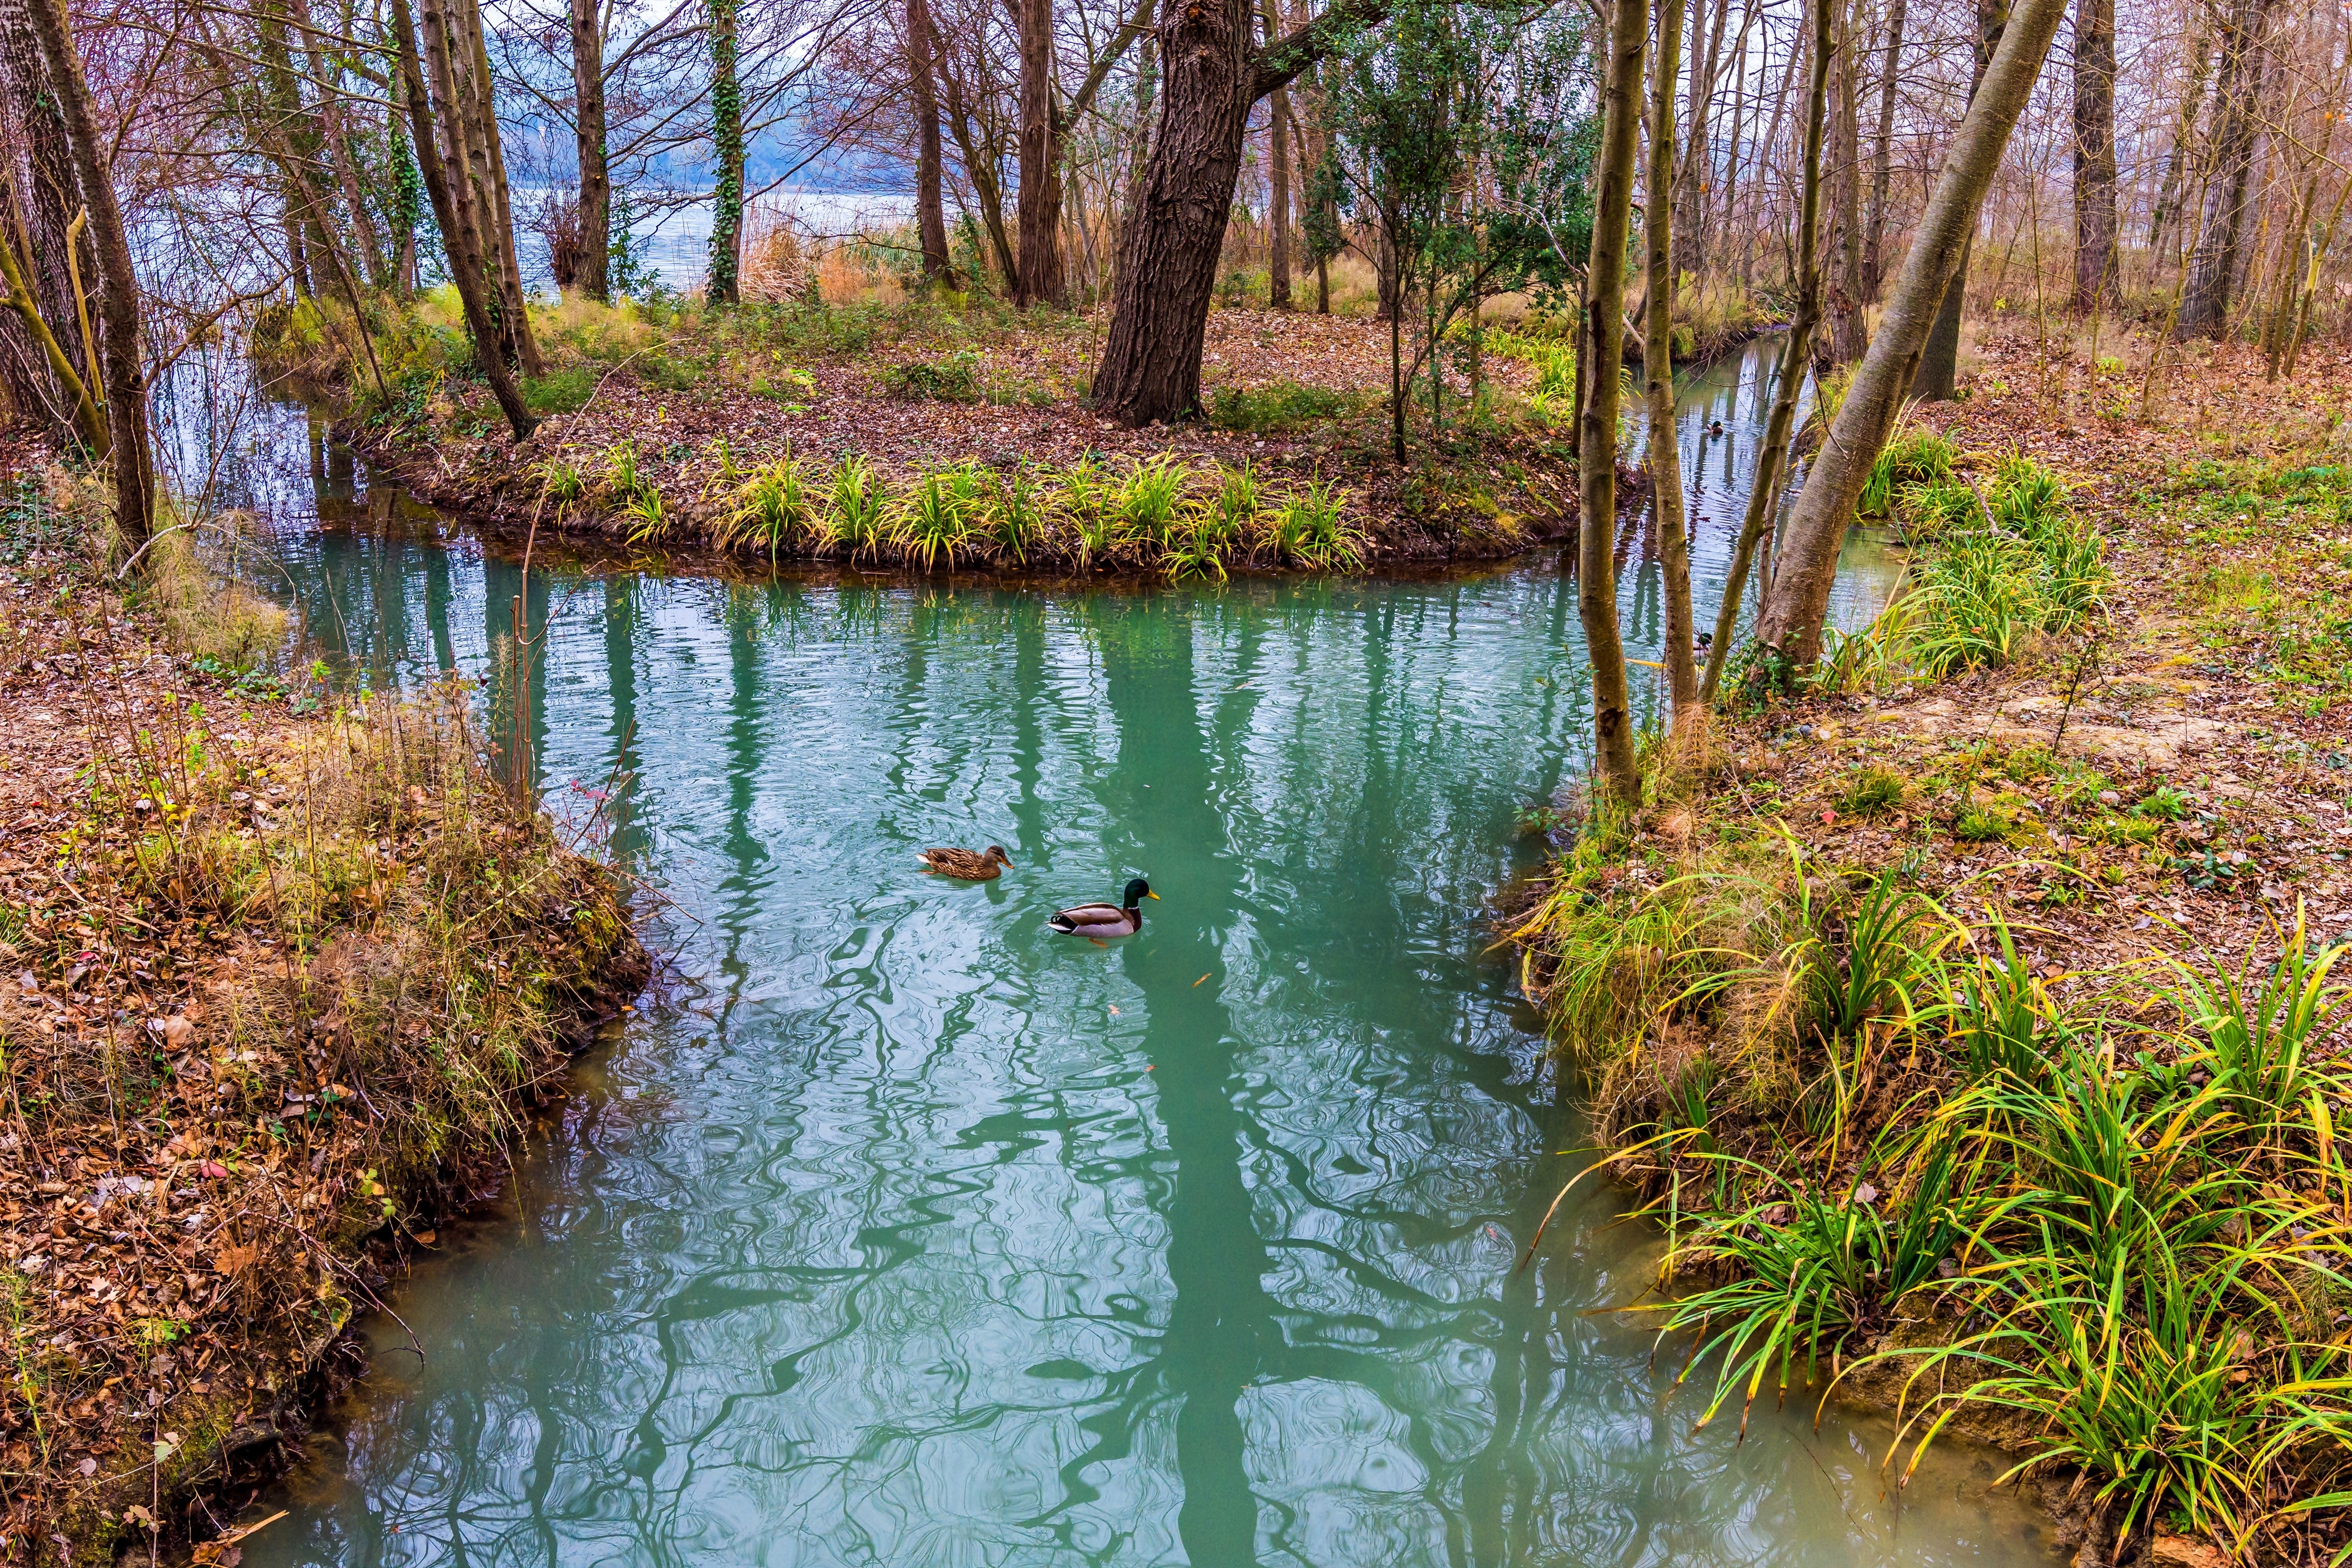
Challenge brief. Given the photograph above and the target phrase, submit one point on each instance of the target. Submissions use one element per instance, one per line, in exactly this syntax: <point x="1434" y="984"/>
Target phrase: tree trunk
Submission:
<point x="2212" y="270"/>
<point x="1150" y="366"/>
<point x="1800" y="597"/>
<point x="441" y="157"/>
<point x="1939" y="363"/>
<point x="594" y="277"/>
<point x="1849" y="331"/>
<point x="2165" y="213"/>
<point x="1658" y="363"/>
<point x="334" y="135"/>
<point x="979" y="167"/>
<point x="725" y="283"/>
<point x="1796" y="358"/>
<point x="2094" y="155"/>
<point x="1277" y="215"/>
<point x="1038" y="206"/>
<point x="1695" y="180"/>
<point x="36" y="176"/>
<point x="1603" y="353"/>
<point x="930" y="212"/>
<point x="1882" y="161"/>
<point x="498" y="238"/>
<point x="118" y="285"/>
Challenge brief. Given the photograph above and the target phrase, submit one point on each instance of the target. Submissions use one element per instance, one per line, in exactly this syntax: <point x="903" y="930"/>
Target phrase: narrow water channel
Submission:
<point x="910" y="1234"/>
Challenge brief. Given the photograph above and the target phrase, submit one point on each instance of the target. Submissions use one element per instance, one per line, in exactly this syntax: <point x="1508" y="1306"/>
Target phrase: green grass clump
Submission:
<point x="1281" y="407"/>
<point x="559" y="391"/>
<point x="1872" y="792"/>
<point x="1913" y="458"/>
<point x="951" y="378"/>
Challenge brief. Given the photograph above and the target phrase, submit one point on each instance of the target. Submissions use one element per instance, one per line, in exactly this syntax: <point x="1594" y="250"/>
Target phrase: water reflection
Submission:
<point x="917" y="1235"/>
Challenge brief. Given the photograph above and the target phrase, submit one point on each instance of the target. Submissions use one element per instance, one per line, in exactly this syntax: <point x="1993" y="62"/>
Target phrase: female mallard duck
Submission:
<point x="964" y="864"/>
<point x="1096" y="921"/>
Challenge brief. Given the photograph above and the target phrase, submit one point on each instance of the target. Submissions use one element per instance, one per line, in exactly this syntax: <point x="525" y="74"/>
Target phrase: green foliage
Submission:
<point x="859" y="509"/>
<point x="559" y="391"/>
<point x="1872" y="792"/>
<point x="951" y="378"/>
<point x="1148" y="500"/>
<point x="1920" y="457"/>
<point x="772" y="508"/>
<point x="1308" y="529"/>
<point x="1283" y="405"/>
<point x="934" y="518"/>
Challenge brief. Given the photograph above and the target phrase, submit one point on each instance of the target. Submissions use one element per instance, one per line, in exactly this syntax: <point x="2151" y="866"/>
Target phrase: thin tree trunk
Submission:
<point x="1882" y="161"/>
<point x="2165" y="213"/>
<point x="1849" y="333"/>
<point x="980" y="166"/>
<point x="2094" y="154"/>
<point x="118" y="285"/>
<point x="498" y="238"/>
<point x="1278" y="215"/>
<point x="2205" y="304"/>
<point x="725" y="282"/>
<point x="1695" y="181"/>
<point x="1766" y="151"/>
<point x="1796" y="357"/>
<point x="334" y="135"/>
<point x="1940" y="364"/>
<point x="1794" y="612"/>
<point x="448" y="186"/>
<point x="1603" y="354"/>
<point x="1038" y="205"/>
<point x="588" y="132"/>
<point x="36" y="176"/>
<point x="930" y="211"/>
<point x="1658" y="363"/>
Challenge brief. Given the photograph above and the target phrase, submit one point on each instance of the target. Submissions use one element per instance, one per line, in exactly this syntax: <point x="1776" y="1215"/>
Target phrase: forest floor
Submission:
<point x="662" y="426"/>
<point x="280" y="975"/>
<point x="2156" y="810"/>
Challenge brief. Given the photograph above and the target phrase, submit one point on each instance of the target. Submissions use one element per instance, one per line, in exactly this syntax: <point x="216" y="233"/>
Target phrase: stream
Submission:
<point x="908" y="1233"/>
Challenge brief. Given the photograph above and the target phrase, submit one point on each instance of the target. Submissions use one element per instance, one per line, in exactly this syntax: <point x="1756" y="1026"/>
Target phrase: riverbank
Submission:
<point x="932" y="434"/>
<point x="1978" y="1037"/>
<point x="284" y="970"/>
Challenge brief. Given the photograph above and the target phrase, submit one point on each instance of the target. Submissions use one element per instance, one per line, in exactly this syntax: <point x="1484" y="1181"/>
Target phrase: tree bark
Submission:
<point x="589" y="130"/>
<point x="1694" y="181"/>
<point x="2213" y="269"/>
<point x="1658" y="364"/>
<point x="1799" y="602"/>
<point x="1277" y="213"/>
<point x="1849" y="331"/>
<point x="1038" y="206"/>
<point x="1603" y="354"/>
<point x="725" y="283"/>
<point x="1939" y="363"/>
<point x="118" y="285"/>
<point x="2094" y="154"/>
<point x="441" y="158"/>
<point x="1796" y="359"/>
<point x="930" y="212"/>
<point x="1150" y="366"/>
<point x="2165" y="213"/>
<point x="37" y="177"/>
<point x="1882" y="161"/>
<point x="498" y="240"/>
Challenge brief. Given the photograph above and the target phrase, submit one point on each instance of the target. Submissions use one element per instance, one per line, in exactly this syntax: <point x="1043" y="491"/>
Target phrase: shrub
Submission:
<point x="1148" y="501"/>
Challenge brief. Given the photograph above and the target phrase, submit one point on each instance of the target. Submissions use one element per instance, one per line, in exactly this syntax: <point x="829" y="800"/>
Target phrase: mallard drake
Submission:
<point x="964" y="864"/>
<point x="1096" y="921"/>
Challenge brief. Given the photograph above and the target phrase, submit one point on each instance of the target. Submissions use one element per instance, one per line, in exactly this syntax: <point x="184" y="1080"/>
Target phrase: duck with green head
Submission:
<point x="1096" y="921"/>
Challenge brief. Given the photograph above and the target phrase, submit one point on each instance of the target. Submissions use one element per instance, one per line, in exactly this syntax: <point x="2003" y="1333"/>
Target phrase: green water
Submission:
<point x="904" y="1232"/>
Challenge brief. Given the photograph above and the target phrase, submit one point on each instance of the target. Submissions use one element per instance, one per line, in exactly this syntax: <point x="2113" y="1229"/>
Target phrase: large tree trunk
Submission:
<point x="1796" y="358"/>
<point x="930" y="212"/>
<point x="1939" y="361"/>
<point x="1039" y="209"/>
<point x="1658" y="363"/>
<point x="594" y="278"/>
<point x="725" y="283"/>
<point x="441" y="158"/>
<point x="2094" y="154"/>
<point x="118" y="285"/>
<point x="1150" y="366"/>
<point x="1882" y="161"/>
<point x="1849" y="331"/>
<point x="1800" y="598"/>
<point x="1603" y="353"/>
<point x="2213" y="269"/>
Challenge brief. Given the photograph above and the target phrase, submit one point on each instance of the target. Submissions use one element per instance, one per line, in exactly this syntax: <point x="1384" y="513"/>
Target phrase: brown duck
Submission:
<point x="966" y="865"/>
